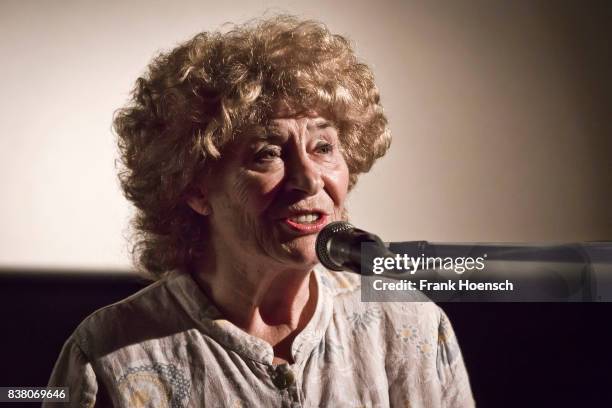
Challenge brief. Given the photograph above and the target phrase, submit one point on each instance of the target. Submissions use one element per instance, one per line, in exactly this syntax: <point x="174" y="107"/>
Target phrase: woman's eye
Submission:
<point x="325" y="148"/>
<point x="265" y="155"/>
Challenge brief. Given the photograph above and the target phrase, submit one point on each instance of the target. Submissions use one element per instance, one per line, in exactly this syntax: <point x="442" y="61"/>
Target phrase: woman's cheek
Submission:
<point x="242" y="188"/>
<point x="337" y="182"/>
<point x="257" y="188"/>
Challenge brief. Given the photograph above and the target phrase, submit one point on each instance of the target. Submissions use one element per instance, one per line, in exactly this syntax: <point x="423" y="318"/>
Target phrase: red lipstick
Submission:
<point x="309" y="228"/>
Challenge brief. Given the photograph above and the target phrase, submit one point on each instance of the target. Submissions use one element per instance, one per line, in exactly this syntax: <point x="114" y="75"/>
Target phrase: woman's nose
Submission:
<point x="302" y="174"/>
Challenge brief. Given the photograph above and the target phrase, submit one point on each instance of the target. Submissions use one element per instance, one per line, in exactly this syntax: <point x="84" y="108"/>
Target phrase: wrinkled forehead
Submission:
<point x="281" y="128"/>
<point x="276" y="120"/>
<point x="285" y="109"/>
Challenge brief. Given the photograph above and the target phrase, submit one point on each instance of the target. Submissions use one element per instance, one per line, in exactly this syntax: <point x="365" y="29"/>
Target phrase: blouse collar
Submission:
<point x="210" y="321"/>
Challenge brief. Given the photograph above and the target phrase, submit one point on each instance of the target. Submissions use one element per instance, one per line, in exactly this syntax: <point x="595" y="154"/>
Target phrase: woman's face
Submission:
<point x="275" y="189"/>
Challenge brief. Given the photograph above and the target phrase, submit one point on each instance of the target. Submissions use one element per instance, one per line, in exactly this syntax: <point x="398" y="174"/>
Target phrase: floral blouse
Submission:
<point x="168" y="346"/>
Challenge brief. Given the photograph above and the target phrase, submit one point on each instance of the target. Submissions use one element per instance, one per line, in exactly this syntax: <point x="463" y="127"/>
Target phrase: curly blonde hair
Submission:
<point x="195" y="98"/>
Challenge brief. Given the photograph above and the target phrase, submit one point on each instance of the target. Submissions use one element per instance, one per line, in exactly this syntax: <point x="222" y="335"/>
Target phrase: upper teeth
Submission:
<point x="305" y="218"/>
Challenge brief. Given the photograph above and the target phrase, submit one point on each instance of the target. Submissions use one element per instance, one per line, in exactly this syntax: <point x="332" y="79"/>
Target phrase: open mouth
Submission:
<point x="307" y="222"/>
<point x="311" y="218"/>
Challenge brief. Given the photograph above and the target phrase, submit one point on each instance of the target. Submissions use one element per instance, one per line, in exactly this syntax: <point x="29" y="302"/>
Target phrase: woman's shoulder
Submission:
<point x="145" y="314"/>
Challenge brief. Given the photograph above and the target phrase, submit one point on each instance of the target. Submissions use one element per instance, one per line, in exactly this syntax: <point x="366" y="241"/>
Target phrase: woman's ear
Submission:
<point x="197" y="199"/>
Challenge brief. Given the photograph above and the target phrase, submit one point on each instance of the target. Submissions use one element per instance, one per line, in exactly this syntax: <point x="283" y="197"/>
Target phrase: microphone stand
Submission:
<point x="579" y="272"/>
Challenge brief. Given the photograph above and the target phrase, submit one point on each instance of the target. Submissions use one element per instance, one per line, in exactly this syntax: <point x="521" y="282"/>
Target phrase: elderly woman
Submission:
<point x="238" y="148"/>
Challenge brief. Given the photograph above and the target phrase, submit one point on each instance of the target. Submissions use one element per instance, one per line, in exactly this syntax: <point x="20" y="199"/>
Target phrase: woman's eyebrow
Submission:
<point x="322" y="124"/>
<point x="270" y="134"/>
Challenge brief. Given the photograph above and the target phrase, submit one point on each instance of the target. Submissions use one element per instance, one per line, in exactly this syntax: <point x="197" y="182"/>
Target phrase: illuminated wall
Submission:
<point x="500" y="113"/>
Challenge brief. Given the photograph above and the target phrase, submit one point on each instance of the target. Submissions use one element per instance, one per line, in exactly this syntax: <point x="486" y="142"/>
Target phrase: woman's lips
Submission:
<point x="307" y="227"/>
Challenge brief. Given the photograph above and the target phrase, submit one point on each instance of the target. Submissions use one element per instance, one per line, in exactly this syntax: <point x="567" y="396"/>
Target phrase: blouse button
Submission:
<point x="284" y="379"/>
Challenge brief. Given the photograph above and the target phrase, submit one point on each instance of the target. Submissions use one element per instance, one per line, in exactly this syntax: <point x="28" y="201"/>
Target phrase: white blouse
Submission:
<point x="168" y="346"/>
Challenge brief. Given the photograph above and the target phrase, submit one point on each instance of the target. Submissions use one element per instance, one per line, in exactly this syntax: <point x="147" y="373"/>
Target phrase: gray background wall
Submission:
<point x="500" y="113"/>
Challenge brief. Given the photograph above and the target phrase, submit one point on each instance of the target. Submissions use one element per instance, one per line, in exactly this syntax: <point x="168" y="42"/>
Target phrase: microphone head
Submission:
<point x="324" y="240"/>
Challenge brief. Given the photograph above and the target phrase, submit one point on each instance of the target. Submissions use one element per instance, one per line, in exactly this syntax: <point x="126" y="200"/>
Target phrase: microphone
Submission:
<point x="561" y="269"/>
<point x="339" y="247"/>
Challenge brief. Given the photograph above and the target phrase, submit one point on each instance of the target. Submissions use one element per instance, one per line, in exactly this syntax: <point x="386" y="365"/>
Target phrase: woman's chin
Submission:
<point x="300" y="252"/>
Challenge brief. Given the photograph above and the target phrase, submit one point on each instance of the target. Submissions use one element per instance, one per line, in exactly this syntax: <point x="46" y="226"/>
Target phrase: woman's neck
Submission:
<point x="272" y="304"/>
